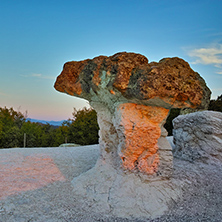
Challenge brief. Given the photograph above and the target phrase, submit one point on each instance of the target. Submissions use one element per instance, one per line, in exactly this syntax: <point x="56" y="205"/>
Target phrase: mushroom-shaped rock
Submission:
<point x="132" y="99"/>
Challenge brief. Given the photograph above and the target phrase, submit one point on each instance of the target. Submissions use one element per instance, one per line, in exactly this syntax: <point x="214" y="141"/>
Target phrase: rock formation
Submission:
<point x="132" y="98"/>
<point x="198" y="136"/>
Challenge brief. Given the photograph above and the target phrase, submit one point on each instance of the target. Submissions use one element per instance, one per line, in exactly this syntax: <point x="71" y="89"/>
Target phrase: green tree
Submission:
<point x="10" y="117"/>
<point x="84" y="128"/>
<point x="46" y="135"/>
<point x="33" y="133"/>
<point x="60" y="134"/>
<point x="39" y="135"/>
<point x="11" y="122"/>
<point x="1" y="129"/>
<point x="216" y="105"/>
<point x="169" y="122"/>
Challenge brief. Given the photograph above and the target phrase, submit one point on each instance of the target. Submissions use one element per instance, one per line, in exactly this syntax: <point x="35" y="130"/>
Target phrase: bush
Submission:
<point x="169" y="124"/>
<point x="84" y="128"/>
<point x="11" y="122"/>
<point x="216" y="105"/>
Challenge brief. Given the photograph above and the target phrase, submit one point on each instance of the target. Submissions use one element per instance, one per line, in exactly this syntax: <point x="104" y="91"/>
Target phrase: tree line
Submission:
<point x="82" y="129"/>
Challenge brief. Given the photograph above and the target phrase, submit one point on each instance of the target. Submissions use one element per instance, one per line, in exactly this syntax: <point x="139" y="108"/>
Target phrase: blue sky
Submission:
<point x="37" y="37"/>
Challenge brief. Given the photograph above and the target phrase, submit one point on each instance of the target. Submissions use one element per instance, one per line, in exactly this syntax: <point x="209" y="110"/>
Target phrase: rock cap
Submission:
<point x="169" y="83"/>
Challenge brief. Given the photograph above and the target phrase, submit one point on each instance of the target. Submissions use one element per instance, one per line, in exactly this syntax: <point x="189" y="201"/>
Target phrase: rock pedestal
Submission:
<point x="134" y="139"/>
<point x="132" y="99"/>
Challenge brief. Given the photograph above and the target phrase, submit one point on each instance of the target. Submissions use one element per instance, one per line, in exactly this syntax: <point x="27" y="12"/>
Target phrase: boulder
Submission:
<point x="198" y="136"/>
<point x="132" y="99"/>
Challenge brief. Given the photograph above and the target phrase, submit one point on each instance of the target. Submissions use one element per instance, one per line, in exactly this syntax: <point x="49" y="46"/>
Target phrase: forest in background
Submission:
<point x="82" y="129"/>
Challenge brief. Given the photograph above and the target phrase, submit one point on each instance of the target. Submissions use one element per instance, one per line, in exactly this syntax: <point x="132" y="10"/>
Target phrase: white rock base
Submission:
<point x="105" y="190"/>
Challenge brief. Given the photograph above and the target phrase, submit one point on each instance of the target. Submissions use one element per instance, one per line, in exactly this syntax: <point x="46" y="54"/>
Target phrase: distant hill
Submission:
<point x="53" y="123"/>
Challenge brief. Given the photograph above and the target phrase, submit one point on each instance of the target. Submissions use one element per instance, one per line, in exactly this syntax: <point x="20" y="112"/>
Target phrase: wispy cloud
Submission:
<point x="38" y="75"/>
<point x="208" y="56"/>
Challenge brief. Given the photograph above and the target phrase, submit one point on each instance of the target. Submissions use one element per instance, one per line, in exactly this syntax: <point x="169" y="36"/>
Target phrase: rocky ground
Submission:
<point x="35" y="185"/>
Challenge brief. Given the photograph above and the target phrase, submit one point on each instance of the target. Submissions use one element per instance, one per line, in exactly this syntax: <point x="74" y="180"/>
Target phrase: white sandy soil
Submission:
<point x="35" y="185"/>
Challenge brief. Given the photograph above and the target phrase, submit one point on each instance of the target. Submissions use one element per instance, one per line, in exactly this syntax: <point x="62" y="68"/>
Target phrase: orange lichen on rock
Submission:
<point x="126" y="63"/>
<point x="71" y="84"/>
<point x="112" y="92"/>
<point x="141" y="128"/>
<point x="170" y="81"/>
<point x="132" y="98"/>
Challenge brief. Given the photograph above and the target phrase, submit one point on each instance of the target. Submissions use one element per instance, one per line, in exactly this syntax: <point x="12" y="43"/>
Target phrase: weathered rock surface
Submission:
<point x="104" y="190"/>
<point x="198" y="136"/>
<point x="132" y="98"/>
<point x="129" y="77"/>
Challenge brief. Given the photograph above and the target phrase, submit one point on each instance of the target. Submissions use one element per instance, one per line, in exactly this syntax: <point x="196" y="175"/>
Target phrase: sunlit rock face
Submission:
<point x="132" y="98"/>
<point x="139" y="129"/>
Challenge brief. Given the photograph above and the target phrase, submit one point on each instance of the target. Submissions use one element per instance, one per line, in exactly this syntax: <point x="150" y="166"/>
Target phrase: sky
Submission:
<point x="38" y="36"/>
